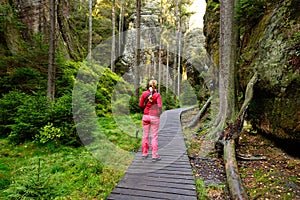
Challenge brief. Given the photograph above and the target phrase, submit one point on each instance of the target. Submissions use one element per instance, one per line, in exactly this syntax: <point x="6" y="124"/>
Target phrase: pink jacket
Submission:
<point x="152" y="108"/>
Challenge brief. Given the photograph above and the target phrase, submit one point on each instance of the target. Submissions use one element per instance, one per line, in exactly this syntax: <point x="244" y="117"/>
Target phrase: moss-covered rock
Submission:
<point x="271" y="46"/>
<point x="271" y="50"/>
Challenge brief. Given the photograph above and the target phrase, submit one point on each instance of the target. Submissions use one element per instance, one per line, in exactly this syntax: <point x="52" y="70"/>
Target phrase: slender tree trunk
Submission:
<point x="226" y="65"/>
<point x="138" y="49"/>
<point x="176" y="73"/>
<point x="113" y="40"/>
<point x="90" y="31"/>
<point x="52" y="64"/>
<point x="179" y="60"/>
<point x="121" y="24"/>
<point x="167" y="73"/>
<point x="228" y="56"/>
<point x="159" y="48"/>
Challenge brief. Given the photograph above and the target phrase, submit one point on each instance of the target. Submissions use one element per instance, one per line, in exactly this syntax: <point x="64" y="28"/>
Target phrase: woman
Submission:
<point x="151" y="102"/>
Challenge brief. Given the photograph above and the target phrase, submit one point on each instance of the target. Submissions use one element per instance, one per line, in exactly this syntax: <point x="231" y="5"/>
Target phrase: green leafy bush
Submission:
<point x="25" y="116"/>
<point x="25" y="79"/>
<point x="109" y="83"/>
<point x="187" y="96"/>
<point x="8" y="108"/>
<point x="169" y="99"/>
<point x="65" y="77"/>
<point x="29" y="118"/>
<point x="134" y="105"/>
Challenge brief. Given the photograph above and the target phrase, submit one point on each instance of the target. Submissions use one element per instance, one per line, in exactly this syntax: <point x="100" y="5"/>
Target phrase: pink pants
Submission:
<point x="150" y="122"/>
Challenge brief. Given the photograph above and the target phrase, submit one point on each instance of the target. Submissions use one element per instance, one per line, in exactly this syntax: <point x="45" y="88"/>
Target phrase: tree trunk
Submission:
<point x="113" y="40"/>
<point x="167" y="66"/>
<point x="159" y="48"/>
<point x="90" y="31"/>
<point x="176" y="47"/>
<point x="226" y="64"/>
<point x="227" y="107"/>
<point x="51" y="64"/>
<point x="138" y="49"/>
<point x="121" y="24"/>
<point x="179" y="61"/>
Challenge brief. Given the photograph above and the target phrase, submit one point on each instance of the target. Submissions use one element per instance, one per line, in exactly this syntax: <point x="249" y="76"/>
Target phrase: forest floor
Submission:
<point x="275" y="177"/>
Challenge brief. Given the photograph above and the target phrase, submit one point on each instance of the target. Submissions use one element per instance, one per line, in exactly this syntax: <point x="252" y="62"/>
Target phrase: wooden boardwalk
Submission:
<point x="170" y="178"/>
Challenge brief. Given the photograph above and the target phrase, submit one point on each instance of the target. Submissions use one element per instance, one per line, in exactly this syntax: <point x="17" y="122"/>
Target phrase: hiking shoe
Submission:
<point x="145" y="157"/>
<point x="156" y="159"/>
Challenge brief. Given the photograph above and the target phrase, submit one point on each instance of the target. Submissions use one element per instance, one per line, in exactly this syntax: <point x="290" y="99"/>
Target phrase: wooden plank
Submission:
<point x="147" y="182"/>
<point x="125" y="197"/>
<point x="171" y="176"/>
<point x="156" y="194"/>
<point x="159" y="180"/>
<point x="155" y="188"/>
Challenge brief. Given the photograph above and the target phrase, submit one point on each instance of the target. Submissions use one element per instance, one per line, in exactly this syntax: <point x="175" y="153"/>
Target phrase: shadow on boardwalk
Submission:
<point x="170" y="178"/>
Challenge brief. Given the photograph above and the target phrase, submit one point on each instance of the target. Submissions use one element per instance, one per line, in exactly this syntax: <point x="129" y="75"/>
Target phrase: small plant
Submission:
<point x="201" y="189"/>
<point x="49" y="133"/>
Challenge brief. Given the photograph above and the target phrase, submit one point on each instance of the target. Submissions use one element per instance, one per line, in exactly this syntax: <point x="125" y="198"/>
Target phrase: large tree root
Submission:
<point x="227" y="140"/>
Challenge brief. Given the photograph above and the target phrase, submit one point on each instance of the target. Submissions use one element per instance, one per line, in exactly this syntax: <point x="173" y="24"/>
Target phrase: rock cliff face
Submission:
<point x="34" y="14"/>
<point x="270" y="46"/>
<point x="24" y="18"/>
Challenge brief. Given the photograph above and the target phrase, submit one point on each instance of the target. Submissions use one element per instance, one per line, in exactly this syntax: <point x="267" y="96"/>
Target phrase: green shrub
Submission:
<point x="31" y="115"/>
<point x="110" y="85"/>
<point x="187" y="96"/>
<point x="26" y="117"/>
<point x="65" y="77"/>
<point x="134" y="105"/>
<point x="169" y="100"/>
<point x="8" y="108"/>
<point x="61" y="116"/>
<point x="25" y="79"/>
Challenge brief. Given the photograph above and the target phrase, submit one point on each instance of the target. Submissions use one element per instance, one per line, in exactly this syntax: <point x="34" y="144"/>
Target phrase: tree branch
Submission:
<point x="200" y="113"/>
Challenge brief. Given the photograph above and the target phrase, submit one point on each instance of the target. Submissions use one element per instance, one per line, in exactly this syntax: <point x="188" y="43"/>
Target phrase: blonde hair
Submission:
<point x="153" y="83"/>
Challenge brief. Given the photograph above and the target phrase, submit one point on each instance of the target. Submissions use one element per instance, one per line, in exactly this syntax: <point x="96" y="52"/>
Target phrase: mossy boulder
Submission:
<point x="270" y="45"/>
<point x="272" y="49"/>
